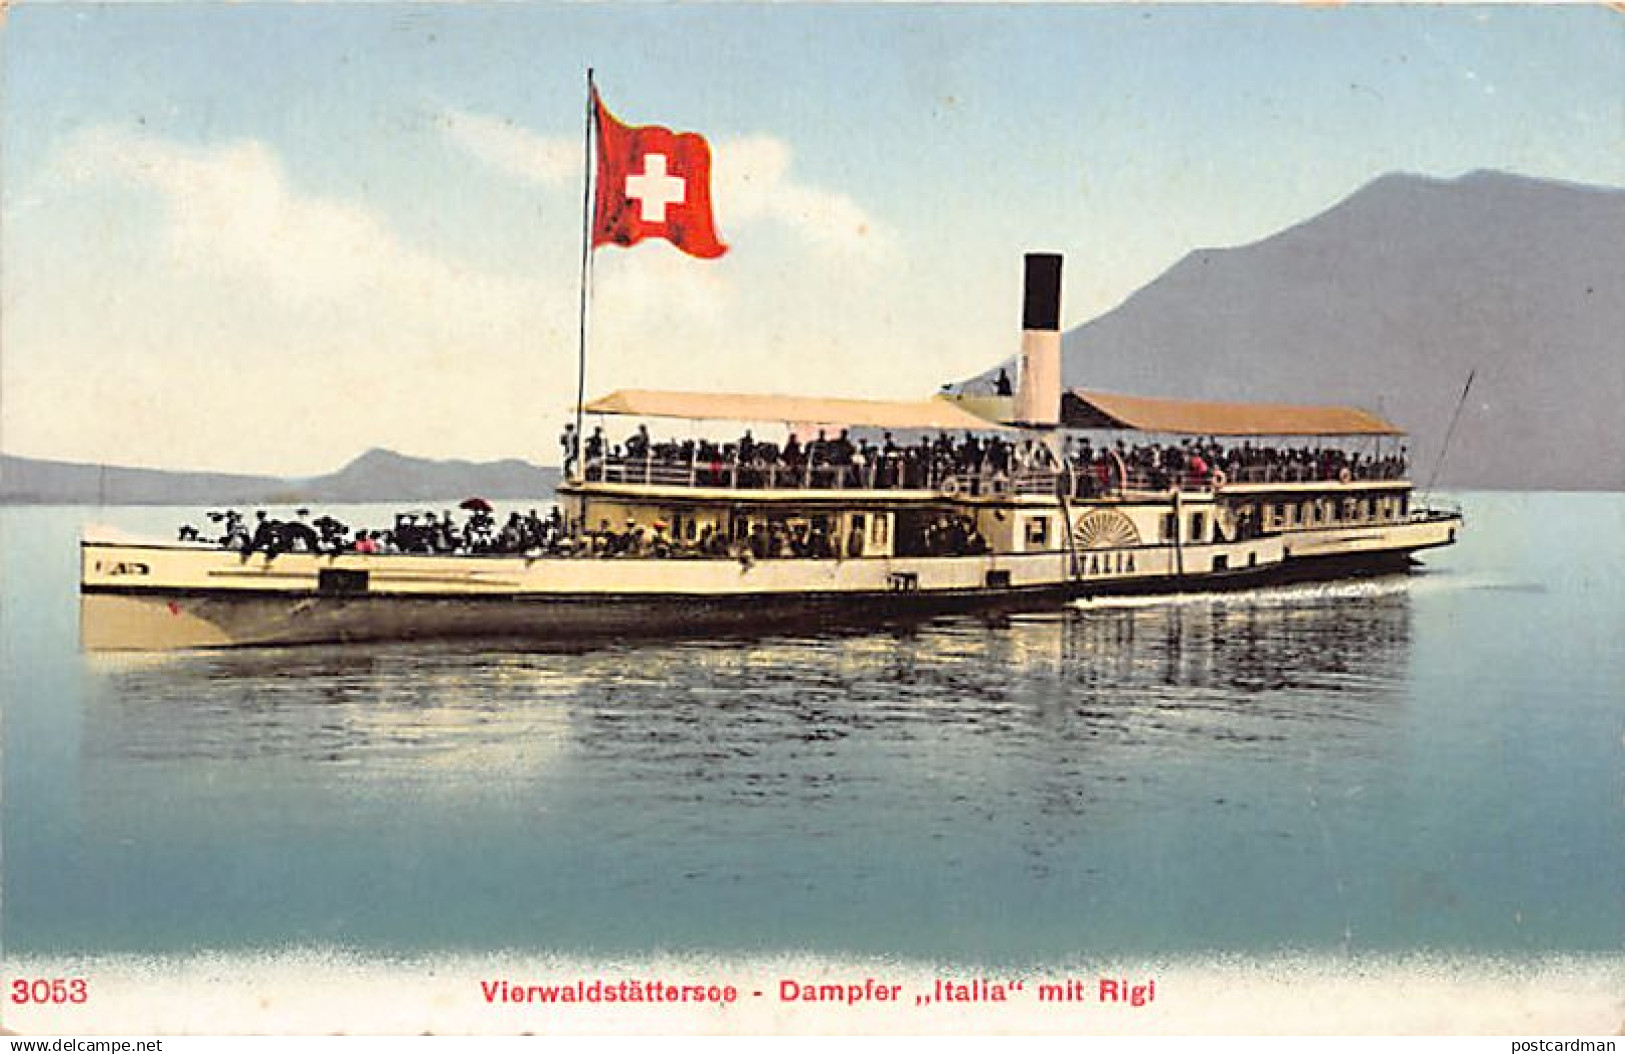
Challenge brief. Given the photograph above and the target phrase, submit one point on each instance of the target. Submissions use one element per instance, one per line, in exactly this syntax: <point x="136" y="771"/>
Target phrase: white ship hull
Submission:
<point x="158" y="597"/>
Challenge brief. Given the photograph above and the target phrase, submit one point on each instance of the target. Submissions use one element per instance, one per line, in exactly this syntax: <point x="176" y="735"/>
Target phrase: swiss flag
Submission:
<point x="653" y="183"/>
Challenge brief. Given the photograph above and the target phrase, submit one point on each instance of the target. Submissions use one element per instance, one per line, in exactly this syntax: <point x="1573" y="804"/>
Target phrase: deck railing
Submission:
<point x="1295" y="473"/>
<point x="883" y="475"/>
<point x="1083" y="481"/>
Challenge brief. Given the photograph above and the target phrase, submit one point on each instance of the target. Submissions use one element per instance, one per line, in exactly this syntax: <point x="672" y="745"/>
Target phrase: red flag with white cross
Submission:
<point x="653" y="183"/>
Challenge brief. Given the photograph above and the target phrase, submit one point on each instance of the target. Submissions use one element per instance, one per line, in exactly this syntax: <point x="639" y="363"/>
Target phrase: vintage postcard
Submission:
<point x="529" y="518"/>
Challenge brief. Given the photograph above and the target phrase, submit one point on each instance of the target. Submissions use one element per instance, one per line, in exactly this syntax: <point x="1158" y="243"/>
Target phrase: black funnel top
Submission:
<point x="1041" y="308"/>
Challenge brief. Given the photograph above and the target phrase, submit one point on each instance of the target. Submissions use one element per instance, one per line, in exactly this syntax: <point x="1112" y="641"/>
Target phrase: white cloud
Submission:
<point x="755" y="184"/>
<point x="229" y="212"/>
<point x="506" y="147"/>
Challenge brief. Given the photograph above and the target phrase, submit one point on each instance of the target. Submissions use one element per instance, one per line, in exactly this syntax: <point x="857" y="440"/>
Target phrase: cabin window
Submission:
<point x="1365" y="508"/>
<point x="1404" y="505"/>
<point x="1198" y="527"/>
<point x="1038" y="532"/>
<point x="877" y="530"/>
<point x="1307" y="514"/>
<point x="1170" y="526"/>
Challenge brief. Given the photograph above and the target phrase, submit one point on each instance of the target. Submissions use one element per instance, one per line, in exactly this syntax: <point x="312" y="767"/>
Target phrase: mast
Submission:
<point x="1449" y="433"/>
<point x="586" y="277"/>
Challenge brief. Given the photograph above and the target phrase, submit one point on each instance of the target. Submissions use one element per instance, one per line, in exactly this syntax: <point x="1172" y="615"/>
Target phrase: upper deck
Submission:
<point x="969" y="468"/>
<point x="979" y="452"/>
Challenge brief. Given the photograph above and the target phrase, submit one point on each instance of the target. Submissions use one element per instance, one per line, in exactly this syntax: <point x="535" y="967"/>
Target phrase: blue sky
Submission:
<point x="264" y="237"/>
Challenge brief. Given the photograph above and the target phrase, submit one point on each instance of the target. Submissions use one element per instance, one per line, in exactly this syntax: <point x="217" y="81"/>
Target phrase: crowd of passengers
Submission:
<point x="948" y="534"/>
<point x="413" y="532"/>
<point x="821" y="462"/>
<point x="928" y="462"/>
<point x="1200" y="463"/>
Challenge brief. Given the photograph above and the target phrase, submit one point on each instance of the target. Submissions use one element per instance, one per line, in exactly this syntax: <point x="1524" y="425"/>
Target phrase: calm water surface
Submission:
<point x="1432" y="763"/>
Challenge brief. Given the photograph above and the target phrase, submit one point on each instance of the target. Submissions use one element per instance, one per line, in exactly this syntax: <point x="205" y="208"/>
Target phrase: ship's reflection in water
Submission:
<point x="962" y="787"/>
<point x="1196" y="670"/>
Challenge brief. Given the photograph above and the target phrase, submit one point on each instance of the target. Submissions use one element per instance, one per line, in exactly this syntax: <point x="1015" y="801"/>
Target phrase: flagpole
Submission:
<point x="586" y="282"/>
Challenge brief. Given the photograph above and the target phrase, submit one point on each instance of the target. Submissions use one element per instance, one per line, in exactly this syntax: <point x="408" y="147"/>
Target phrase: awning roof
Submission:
<point x="1090" y="409"/>
<point x="789" y="409"/>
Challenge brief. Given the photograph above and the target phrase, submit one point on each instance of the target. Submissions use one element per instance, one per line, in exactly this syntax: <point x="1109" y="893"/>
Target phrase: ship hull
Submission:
<point x="155" y="597"/>
<point x="112" y="622"/>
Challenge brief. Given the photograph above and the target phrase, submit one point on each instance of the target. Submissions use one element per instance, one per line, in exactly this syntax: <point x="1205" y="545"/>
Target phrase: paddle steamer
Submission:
<point x="747" y="543"/>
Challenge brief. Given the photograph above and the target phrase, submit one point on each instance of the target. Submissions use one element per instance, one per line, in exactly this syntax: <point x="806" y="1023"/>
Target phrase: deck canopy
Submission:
<point x="790" y="409"/>
<point x="1090" y="409"/>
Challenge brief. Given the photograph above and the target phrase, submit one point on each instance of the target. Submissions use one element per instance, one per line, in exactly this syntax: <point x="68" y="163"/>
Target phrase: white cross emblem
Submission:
<point x="655" y="190"/>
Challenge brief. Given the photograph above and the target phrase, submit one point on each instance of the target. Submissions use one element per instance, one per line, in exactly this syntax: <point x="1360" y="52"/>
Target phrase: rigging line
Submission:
<point x="1449" y="432"/>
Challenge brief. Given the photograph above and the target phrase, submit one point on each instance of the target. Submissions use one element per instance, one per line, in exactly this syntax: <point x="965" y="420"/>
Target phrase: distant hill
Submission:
<point x="1386" y="301"/>
<point x="383" y="475"/>
<point x="377" y="475"/>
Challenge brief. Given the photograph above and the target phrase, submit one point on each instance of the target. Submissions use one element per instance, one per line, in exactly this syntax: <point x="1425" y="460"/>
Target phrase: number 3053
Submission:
<point x="52" y="990"/>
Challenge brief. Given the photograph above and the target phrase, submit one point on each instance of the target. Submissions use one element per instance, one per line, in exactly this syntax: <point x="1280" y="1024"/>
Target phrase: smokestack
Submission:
<point x="1038" y="396"/>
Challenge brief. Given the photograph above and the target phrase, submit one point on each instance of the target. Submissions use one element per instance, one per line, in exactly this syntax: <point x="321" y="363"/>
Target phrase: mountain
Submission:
<point x="383" y="475"/>
<point x="377" y="475"/>
<point x="31" y="481"/>
<point x="1387" y="300"/>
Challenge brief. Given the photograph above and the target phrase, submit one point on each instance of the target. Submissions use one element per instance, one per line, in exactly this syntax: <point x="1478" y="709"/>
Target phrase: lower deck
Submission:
<point x="850" y="524"/>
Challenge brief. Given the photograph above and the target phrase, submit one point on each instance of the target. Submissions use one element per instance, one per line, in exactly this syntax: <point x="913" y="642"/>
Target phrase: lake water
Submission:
<point x="1426" y="764"/>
